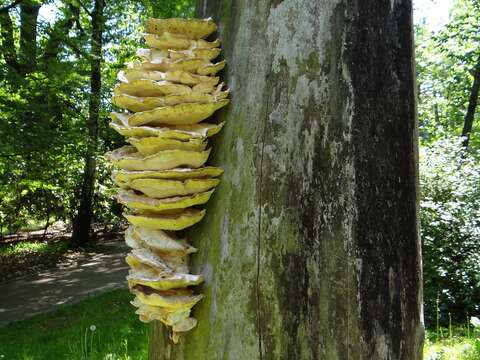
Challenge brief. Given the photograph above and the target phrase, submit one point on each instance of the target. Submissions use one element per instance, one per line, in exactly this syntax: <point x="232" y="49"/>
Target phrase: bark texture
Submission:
<point x="83" y="218"/>
<point x="310" y="246"/>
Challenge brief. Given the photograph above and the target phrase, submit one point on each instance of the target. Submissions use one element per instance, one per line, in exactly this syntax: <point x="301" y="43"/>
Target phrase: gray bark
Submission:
<point x="310" y="246"/>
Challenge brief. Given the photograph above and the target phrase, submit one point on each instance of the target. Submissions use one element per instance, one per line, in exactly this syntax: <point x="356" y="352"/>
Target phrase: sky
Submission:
<point x="434" y="12"/>
<point x="47" y="12"/>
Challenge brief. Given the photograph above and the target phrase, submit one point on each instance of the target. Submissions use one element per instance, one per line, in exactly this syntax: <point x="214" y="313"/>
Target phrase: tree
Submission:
<point x="448" y="73"/>
<point x="449" y="208"/>
<point x="310" y="246"/>
<point x="472" y="105"/>
<point x="44" y="110"/>
<point x="83" y="219"/>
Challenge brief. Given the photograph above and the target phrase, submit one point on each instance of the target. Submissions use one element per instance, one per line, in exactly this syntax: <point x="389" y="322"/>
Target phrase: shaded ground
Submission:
<point x="34" y="251"/>
<point x="73" y="279"/>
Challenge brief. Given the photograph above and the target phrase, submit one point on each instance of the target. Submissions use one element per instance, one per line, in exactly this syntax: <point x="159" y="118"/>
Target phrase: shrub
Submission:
<point x="450" y="229"/>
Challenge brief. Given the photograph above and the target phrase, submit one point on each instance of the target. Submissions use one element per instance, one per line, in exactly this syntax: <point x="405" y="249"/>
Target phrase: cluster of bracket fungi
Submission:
<point x="162" y="177"/>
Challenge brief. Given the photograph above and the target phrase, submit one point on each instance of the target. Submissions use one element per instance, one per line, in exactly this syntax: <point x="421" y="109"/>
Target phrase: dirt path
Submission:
<point x="69" y="282"/>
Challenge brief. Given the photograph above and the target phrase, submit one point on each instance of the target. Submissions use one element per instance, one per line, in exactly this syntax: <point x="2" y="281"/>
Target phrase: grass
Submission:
<point x="106" y="328"/>
<point x="30" y="225"/>
<point x="456" y="346"/>
<point x="103" y="327"/>
<point x="27" y="247"/>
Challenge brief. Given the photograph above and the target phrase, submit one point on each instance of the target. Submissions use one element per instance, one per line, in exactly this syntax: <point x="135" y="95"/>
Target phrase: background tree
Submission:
<point x="44" y="109"/>
<point x="310" y="247"/>
<point x="447" y="72"/>
<point x="447" y="69"/>
<point x="83" y="219"/>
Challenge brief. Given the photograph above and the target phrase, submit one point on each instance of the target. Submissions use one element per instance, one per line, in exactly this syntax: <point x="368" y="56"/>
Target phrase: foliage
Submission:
<point x="103" y="327"/>
<point x="445" y="63"/>
<point x="44" y="109"/>
<point x="449" y="176"/>
<point x="457" y="343"/>
<point x="450" y="229"/>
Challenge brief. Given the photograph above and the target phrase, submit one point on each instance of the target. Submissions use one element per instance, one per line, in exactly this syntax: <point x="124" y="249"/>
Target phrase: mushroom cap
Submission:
<point x="165" y="221"/>
<point x="157" y="240"/>
<point x="134" y="201"/>
<point x="135" y="103"/>
<point x="190" y="28"/>
<point x="128" y="158"/>
<point x="170" y="299"/>
<point x="181" y="114"/>
<point x="181" y="132"/>
<point x="177" y="76"/>
<point x="166" y="188"/>
<point x="171" y="41"/>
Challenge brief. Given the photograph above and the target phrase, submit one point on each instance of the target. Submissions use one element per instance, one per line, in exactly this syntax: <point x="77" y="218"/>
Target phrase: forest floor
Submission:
<point x="29" y="252"/>
<point x="66" y="277"/>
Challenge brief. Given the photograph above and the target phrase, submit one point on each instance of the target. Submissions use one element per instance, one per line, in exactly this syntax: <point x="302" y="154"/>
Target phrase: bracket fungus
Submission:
<point x="164" y="97"/>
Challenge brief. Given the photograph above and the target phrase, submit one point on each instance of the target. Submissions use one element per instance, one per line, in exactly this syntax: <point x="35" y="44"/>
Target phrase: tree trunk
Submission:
<point x="83" y="219"/>
<point x="9" y="51"/>
<point x="472" y="105"/>
<point x="310" y="245"/>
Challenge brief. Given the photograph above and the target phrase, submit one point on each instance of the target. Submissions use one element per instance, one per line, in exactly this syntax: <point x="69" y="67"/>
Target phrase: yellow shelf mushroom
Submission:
<point x="128" y="158"/>
<point x="181" y="114"/>
<point x="166" y="221"/>
<point x="131" y="200"/>
<point x="124" y="178"/>
<point x="190" y="28"/>
<point x="167" y="94"/>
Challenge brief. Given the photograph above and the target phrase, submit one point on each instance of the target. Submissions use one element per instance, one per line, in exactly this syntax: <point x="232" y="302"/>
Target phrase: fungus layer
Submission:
<point x="190" y="28"/>
<point x="182" y="114"/>
<point x="124" y="178"/>
<point x="165" y="95"/>
<point x="129" y="158"/>
<point x="165" y="221"/>
<point x="134" y="201"/>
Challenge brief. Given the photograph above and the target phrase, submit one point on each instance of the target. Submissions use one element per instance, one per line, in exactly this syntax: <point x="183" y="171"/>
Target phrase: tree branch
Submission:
<point x="84" y="8"/>
<point x="472" y="104"/>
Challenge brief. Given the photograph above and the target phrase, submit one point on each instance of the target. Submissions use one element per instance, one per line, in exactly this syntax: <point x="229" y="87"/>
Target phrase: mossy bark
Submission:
<point x="310" y="246"/>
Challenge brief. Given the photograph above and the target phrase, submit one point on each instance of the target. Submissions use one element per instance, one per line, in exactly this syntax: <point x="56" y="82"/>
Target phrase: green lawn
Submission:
<point x="105" y="327"/>
<point x="67" y="332"/>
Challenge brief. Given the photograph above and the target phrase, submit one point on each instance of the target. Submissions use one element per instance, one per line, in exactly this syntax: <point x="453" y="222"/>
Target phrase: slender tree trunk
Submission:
<point x="472" y="105"/>
<point x="9" y="51"/>
<point x="310" y="246"/>
<point x="83" y="219"/>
